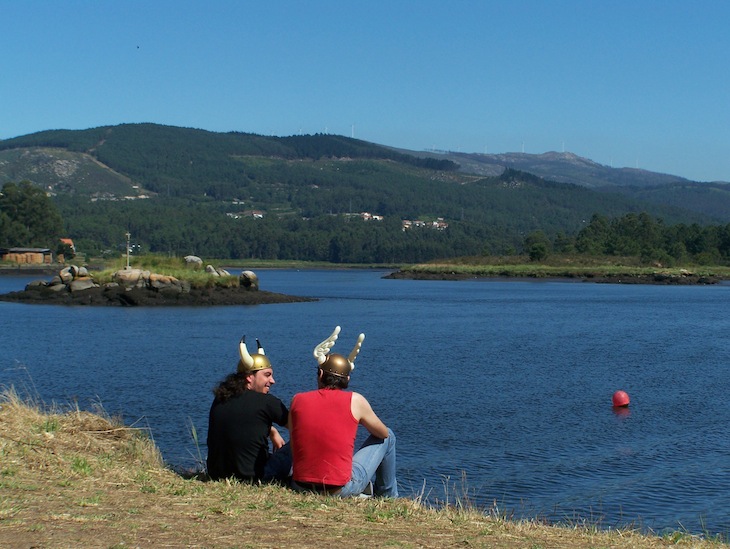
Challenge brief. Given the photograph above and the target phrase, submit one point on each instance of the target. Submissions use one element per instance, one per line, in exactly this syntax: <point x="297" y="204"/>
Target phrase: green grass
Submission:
<point x="555" y="266"/>
<point x="170" y="266"/>
<point x="81" y="466"/>
<point x="157" y="261"/>
<point x="563" y="267"/>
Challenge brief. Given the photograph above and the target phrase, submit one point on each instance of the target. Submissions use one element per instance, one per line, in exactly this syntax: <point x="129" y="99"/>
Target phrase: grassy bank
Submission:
<point x="580" y="267"/>
<point x="196" y="275"/>
<point x="556" y="266"/>
<point x="75" y="479"/>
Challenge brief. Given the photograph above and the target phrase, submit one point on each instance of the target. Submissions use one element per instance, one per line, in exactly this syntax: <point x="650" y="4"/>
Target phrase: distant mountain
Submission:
<point x="711" y="199"/>
<point x="563" y="167"/>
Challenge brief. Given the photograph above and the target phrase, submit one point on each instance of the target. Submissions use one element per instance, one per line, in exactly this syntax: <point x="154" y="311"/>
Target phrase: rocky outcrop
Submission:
<point x="138" y="278"/>
<point x="141" y="288"/>
<point x="77" y="279"/>
<point x="69" y="279"/>
<point x="216" y="271"/>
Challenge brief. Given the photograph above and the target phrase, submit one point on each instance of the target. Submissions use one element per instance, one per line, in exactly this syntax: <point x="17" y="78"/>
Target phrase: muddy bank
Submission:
<point x="655" y="278"/>
<point x="144" y="297"/>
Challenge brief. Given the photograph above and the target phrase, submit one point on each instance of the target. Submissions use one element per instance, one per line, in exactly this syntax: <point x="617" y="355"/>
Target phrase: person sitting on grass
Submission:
<point x="323" y="425"/>
<point x="240" y="424"/>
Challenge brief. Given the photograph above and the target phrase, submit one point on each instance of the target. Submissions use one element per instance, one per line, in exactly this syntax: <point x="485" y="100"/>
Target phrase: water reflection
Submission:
<point x="621" y="411"/>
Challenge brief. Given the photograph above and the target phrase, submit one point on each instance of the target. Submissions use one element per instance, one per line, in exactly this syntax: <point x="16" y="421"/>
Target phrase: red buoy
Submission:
<point x="620" y="399"/>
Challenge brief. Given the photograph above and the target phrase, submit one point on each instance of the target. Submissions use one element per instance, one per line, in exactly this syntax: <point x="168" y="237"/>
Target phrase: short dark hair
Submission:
<point x="334" y="381"/>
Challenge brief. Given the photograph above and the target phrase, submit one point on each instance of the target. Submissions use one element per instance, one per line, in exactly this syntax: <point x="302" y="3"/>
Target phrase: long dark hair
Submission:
<point x="233" y="385"/>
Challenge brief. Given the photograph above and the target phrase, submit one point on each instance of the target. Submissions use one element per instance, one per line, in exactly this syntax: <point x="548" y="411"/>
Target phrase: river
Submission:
<point x="499" y="392"/>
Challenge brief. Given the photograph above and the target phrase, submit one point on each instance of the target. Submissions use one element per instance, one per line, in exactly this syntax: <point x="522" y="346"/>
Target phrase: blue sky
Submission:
<point x="637" y="83"/>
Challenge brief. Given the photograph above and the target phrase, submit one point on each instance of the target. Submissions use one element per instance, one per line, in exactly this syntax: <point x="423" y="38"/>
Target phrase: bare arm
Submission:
<point x="363" y="413"/>
<point x="276" y="440"/>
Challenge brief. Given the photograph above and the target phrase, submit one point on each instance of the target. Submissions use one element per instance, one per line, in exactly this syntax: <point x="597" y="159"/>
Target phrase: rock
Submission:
<point x="211" y="270"/>
<point x="58" y="288"/>
<point x="248" y="280"/>
<point x="193" y="260"/>
<point x="129" y="278"/>
<point x="81" y="283"/>
<point x="164" y="282"/>
<point x="66" y="275"/>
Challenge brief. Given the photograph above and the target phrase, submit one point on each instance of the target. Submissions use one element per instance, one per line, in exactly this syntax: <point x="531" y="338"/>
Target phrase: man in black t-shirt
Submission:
<point x="240" y="424"/>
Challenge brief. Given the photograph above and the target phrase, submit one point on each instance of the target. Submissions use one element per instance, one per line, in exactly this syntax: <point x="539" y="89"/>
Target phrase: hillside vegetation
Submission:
<point x="182" y="191"/>
<point x="70" y="478"/>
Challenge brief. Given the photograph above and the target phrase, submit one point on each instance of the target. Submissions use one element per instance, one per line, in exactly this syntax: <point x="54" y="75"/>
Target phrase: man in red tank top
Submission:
<point x="323" y="426"/>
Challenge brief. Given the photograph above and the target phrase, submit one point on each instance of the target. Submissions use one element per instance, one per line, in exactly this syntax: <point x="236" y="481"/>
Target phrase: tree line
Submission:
<point x="29" y="218"/>
<point x="638" y="235"/>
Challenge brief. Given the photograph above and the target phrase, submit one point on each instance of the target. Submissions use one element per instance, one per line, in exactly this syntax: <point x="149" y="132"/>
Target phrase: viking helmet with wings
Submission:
<point x="333" y="362"/>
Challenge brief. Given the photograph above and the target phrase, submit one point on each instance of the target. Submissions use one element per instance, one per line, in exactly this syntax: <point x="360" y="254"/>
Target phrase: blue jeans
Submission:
<point x="278" y="467"/>
<point x="375" y="458"/>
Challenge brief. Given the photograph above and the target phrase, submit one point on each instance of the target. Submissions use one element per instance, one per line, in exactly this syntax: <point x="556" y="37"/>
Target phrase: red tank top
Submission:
<point x="323" y="436"/>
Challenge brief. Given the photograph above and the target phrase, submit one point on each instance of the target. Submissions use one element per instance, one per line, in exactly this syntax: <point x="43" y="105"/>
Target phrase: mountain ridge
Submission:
<point x="177" y="186"/>
<point x="564" y="167"/>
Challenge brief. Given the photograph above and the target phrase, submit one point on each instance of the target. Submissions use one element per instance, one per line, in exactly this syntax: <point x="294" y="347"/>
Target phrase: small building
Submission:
<point x="34" y="256"/>
<point x="70" y="243"/>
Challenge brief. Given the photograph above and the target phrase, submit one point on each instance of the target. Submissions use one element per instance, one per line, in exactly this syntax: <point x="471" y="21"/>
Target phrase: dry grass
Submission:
<point x="75" y="479"/>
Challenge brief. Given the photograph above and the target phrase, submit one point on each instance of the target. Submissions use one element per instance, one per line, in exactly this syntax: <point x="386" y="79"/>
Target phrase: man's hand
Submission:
<point x="276" y="439"/>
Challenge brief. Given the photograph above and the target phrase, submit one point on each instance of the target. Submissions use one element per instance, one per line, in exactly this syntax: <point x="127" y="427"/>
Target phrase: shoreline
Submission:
<point x="460" y="272"/>
<point x="656" y="278"/>
<point x="141" y="297"/>
<point x="77" y="479"/>
<point x="136" y="296"/>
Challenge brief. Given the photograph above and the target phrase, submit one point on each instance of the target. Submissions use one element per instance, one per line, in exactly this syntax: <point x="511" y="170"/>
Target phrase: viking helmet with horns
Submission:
<point x="252" y="363"/>
<point x="335" y="363"/>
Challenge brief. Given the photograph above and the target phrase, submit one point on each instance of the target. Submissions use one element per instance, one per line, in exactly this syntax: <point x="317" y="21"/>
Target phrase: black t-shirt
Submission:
<point x="238" y="434"/>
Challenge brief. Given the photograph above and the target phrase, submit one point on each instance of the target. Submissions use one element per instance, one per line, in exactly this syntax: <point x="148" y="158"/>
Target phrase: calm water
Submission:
<point x="497" y="389"/>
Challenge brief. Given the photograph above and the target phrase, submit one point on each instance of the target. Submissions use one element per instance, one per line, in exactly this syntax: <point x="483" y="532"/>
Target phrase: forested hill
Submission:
<point x="154" y="152"/>
<point x="182" y="190"/>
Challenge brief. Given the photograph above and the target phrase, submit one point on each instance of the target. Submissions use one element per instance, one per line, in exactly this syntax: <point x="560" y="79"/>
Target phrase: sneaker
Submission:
<point x="367" y="492"/>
